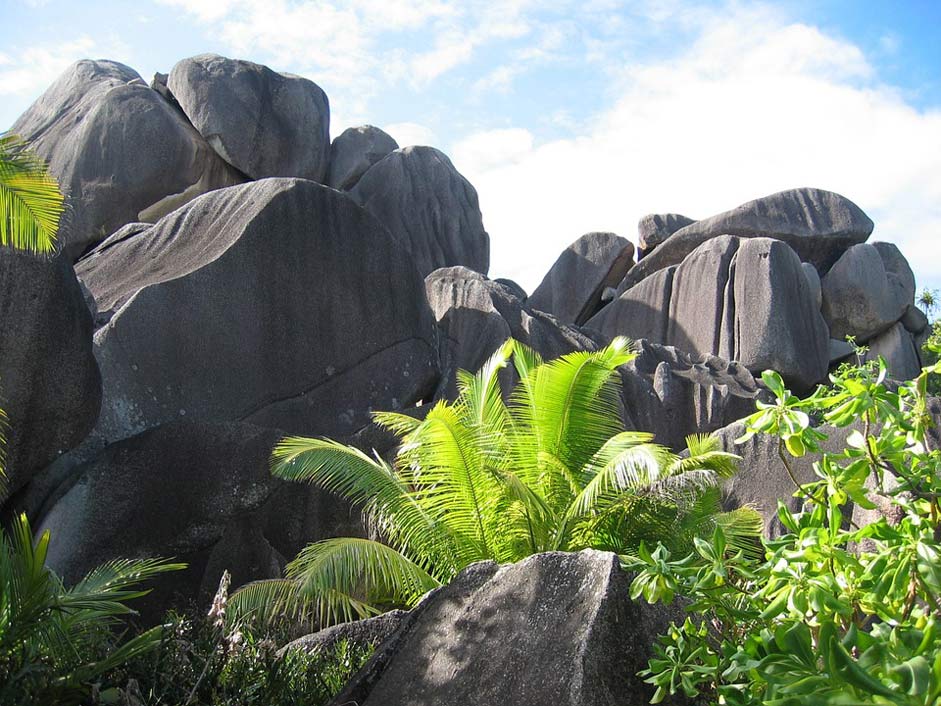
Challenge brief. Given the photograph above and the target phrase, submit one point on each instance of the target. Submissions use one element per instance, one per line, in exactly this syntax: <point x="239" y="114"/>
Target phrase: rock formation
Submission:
<point x="263" y="123"/>
<point x="120" y="151"/>
<point x="555" y="628"/>
<point x="572" y="289"/>
<point x="819" y="225"/>
<point x="241" y="278"/>
<point x="255" y="291"/>
<point x="429" y="207"/>
<point x="354" y="152"/>
<point x="743" y="299"/>
<point x="50" y="388"/>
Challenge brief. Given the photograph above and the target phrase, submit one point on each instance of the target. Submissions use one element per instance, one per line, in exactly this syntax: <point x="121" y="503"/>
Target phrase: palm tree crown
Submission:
<point x="480" y="478"/>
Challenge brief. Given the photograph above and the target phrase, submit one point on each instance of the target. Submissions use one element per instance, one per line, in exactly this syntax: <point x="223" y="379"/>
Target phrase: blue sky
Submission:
<point x="570" y="116"/>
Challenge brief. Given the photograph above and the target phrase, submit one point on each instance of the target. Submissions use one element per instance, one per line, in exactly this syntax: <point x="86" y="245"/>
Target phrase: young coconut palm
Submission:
<point x="54" y="641"/>
<point x="481" y="479"/>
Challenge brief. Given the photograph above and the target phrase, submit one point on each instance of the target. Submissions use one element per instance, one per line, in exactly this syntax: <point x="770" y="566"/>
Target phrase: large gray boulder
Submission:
<point x="555" y="628"/>
<point x="673" y="394"/>
<point x="279" y="302"/>
<point x="742" y="299"/>
<point x="763" y="480"/>
<point x="897" y="347"/>
<point x="477" y="315"/>
<point x="860" y="297"/>
<point x="369" y="632"/>
<point x="354" y="152"/>
<point x="263" y="123"/>
<point x="118" y="149"/>
<point x="654" y="228"/>
<point x="898" y="271"/>
<point x="819" y="225"/>
<point x="433" y="211"/>
<point x="187" y="490"/>
<point x="571" y="290"/>
<point x="50" y="388"/>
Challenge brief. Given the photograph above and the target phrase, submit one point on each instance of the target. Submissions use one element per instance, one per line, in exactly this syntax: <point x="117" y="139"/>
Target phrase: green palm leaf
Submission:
<point x="386" y="499"/>
<point x="337" y="580"/>
<point x="31" y="204"/>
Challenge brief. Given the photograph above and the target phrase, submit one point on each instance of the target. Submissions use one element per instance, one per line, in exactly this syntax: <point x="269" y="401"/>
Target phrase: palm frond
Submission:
<point x="396" y="422"/>
<point x="576" y="402"/>
<point x="446" y="466"/>
<point x="479" y="393"/>
<point x="266" y="602"/>
<point x="627" y="462"/>
<point x="346" y="577"/>
<point x="4" y="484"/>
<point x="705" y="453"/>
<point x="386" y="499"/>
<point x="102" y="593"/>
<point x="31" y="204"/>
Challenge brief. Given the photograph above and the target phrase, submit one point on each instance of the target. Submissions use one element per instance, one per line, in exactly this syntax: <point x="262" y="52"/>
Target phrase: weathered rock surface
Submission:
<point x="914" y="320"/>
<point x="555" y="628"/>
<point x="279" y="302"/>
<point x="361" y="633"/>
<point x="354" y="151"/>
<point x="433" y="211"/>
<point x="858" y="297"/>
<point x="673" y="394"/>
<point x="119" y="150"/>
<point x="762" y="479"/>
<point x="898" y="271"/>
<point x="898" y="348"/>
<point x="476" y="315"/>
<point x="819" y="225"/>
<point x="654" y="228"/>
<point x="813" y="279"/>
<point x="263" y="123"/>
<point x="186" y="490"/>
<point x="50" y="388"/>
<point x="742" y="299"/>
<point x="571" y="290"/>
<point x="840" y="350"/>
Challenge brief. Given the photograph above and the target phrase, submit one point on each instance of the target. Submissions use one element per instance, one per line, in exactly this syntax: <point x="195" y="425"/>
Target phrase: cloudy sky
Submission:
<point x="575" y="115"/>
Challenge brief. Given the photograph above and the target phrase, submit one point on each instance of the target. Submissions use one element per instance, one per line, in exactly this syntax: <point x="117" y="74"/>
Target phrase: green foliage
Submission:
<point x="30" y="201"/>
<point x="199" y="664"/>
<point x="835" y="613"/>
<point x="930" y="354"/>
<point x="481" y="478"/>
<point x="928" y="300"/>
<point x="56" y="641"/>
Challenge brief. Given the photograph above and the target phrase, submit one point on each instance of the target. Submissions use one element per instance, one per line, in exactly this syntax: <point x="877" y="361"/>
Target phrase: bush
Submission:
<point x="57" y="642"/>
<point x="202" y="662"/>
<point x="835" y="613"/>
<point x="480" y="478"/>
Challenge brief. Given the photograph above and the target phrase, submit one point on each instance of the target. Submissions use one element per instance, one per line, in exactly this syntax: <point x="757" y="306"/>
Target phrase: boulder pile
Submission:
<point x="229" y="275"/>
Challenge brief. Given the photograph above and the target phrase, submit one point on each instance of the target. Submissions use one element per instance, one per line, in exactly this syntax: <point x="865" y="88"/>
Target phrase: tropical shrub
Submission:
<point x="835" y="613"/>
<point x="203" y="661"/>
<point x="55" y="642"/>
<point x="481" y="478"/>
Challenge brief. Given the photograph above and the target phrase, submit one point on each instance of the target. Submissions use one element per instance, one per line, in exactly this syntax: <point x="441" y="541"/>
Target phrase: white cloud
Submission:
<point x="407" y="134"/>
<point x="753" y="107"/>
<point x="31" y="69"/>
<point x="493" y="149"/>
